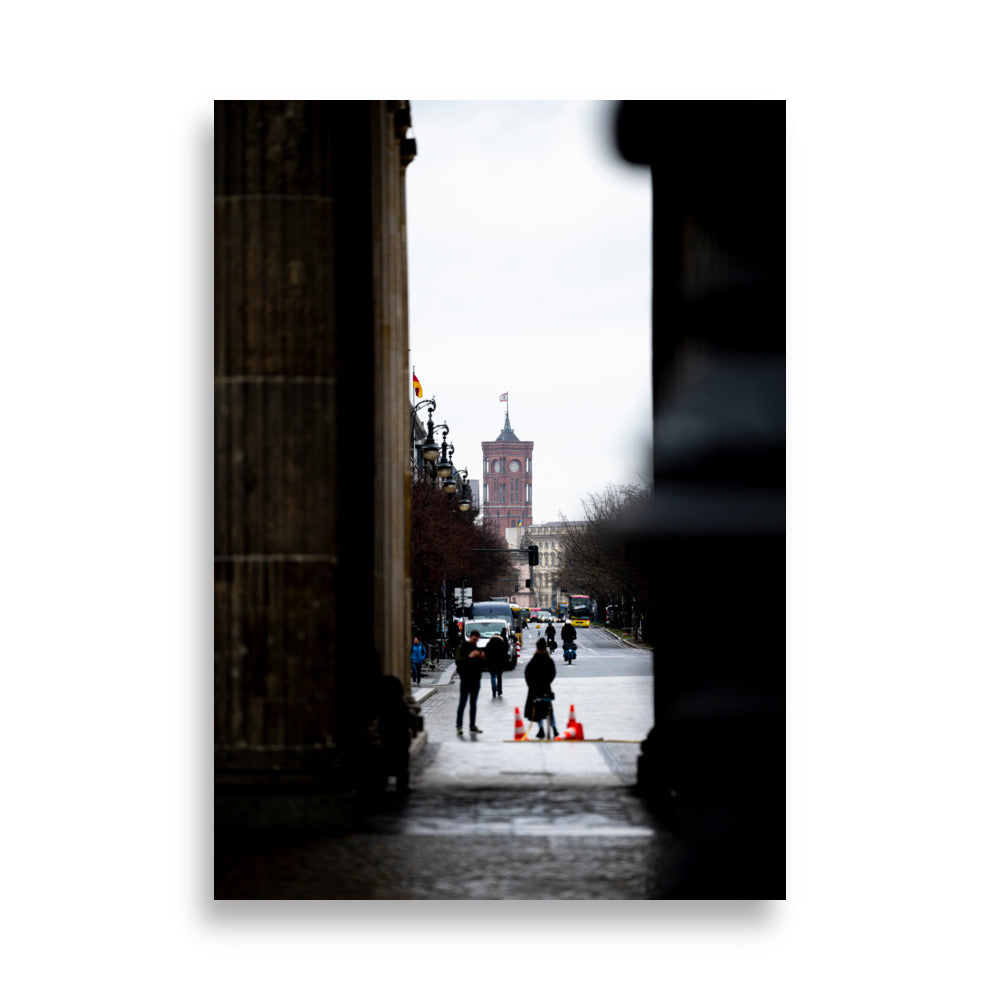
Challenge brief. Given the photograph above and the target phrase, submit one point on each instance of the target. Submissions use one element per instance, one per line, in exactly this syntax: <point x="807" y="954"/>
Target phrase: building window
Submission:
<point x="486" y="492"/>
<point x="528" y="498"/>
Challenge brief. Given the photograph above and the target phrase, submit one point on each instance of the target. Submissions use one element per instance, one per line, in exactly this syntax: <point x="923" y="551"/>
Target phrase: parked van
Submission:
<point x="511" y="613"/>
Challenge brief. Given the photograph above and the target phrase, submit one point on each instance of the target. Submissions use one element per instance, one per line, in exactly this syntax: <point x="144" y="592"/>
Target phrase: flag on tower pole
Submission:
<point x="503" y="398"/>
<point x="417" y="387"/>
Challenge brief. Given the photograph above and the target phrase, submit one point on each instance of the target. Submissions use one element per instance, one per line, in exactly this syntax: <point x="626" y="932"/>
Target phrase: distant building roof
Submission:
<point x="507" y="434"/>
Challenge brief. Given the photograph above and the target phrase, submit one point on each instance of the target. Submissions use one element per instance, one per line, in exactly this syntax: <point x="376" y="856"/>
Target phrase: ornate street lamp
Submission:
<point x="429" y="448"/>
<point x="451" y="484"/>
<point x="465" y="494"/>
<point x="444" y="466"/>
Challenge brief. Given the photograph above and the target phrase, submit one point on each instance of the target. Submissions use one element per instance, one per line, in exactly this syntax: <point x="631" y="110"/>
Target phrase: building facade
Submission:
<point x="506" y="496"/>
<point x="546" y="579"/>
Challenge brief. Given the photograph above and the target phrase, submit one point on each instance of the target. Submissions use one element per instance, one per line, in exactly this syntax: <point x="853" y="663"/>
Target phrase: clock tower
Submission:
<point x="506" y="499"/>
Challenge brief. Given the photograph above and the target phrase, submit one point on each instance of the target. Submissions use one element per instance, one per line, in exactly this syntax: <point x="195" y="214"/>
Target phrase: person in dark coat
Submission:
<point x="568" y="633"/>
<point x="451" y="643"/>
<point x="539" y="675"/>
<point x="396" y="725"/>
<point x="497" y="655"/>
<point x="550" y="631"/>
<point x="470" y="663"/>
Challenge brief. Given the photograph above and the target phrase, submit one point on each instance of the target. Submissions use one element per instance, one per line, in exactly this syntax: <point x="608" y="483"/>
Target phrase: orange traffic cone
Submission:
<point x="577" y="730"/>
<point x="569" y="733"/>
<point x="519" y="733"/>
<point x="571" y="721"/>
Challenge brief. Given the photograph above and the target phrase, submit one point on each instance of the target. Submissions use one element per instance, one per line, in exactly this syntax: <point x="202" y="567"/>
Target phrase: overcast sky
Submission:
<point x="529" y="244"/>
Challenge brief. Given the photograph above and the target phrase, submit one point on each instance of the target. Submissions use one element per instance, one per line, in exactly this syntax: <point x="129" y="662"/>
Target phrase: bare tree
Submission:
<point x="602" y="559"/>
<point x="448" y="548"/>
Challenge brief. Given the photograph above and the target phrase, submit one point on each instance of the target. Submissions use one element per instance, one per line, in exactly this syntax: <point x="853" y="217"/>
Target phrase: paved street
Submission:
<point x="489" y="818"/>
<point x="611" y="689"/>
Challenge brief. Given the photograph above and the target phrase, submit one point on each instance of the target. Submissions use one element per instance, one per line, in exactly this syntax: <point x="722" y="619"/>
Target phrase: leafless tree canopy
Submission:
<point x="598" y="558"/>
<point x="447" y="549"/>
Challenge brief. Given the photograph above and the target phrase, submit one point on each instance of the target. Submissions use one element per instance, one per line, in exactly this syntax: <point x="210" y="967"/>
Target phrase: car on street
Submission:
<point x="489" y="627"/>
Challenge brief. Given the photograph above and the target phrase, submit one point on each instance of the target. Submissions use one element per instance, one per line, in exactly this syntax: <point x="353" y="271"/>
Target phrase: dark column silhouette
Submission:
<point x="715" y="759"/>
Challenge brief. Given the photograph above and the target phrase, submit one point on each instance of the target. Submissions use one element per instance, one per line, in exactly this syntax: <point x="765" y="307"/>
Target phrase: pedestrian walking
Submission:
<point x="550" y="636"/>
<point x="496" y="653"/>
<point x="451" y="642"/>
<point x="469" y="662"/>
<point x="418" y="653"/>
<point x="539" y="675"/>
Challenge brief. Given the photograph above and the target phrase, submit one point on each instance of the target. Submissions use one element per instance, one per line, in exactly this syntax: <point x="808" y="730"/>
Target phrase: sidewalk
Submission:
<point x="430" y="683"/>
<point x="616" y="714"/>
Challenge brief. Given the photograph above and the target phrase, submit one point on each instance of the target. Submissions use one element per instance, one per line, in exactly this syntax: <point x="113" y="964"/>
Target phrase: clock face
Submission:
<point x="496" y="466"/>
<point x="515" y="465"/>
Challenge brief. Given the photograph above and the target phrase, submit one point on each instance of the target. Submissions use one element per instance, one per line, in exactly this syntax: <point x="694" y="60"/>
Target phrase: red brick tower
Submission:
<point x="506" y="499"/>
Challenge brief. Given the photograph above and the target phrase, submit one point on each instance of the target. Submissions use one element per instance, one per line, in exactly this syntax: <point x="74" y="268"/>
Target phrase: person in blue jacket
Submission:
<point x="418" y="653"/>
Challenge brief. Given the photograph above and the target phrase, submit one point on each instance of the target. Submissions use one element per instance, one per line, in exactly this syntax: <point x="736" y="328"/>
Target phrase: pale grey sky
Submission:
<point x="529" y="265"/>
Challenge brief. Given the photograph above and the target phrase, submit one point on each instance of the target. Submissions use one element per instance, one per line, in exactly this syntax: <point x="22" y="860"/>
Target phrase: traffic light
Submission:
<point x="532" y="555"/>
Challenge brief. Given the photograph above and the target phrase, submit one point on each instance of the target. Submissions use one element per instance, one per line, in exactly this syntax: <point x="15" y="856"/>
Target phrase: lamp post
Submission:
<point x="427" y="448"/>
<point x="465" y="493"/>
<point x="443" y="466"/>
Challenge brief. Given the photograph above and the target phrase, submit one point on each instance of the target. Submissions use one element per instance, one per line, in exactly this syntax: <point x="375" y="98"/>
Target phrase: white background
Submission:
<point x="892" y="545"/>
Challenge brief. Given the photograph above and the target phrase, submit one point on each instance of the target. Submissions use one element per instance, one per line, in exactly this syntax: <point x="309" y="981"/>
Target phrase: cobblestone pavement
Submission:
<point x="489" y="818"/>
<point x="467" y="844"/>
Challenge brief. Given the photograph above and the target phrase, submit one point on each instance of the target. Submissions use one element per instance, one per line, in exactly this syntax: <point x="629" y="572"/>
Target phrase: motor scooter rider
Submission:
<point x="568" y="635"/>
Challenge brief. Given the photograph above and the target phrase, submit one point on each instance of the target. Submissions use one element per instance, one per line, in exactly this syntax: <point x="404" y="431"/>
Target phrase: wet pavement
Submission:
<point x="490" y="818"/>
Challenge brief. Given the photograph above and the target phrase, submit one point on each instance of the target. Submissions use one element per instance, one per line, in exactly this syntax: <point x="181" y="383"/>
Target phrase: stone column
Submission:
<point x="311" y="463"/>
